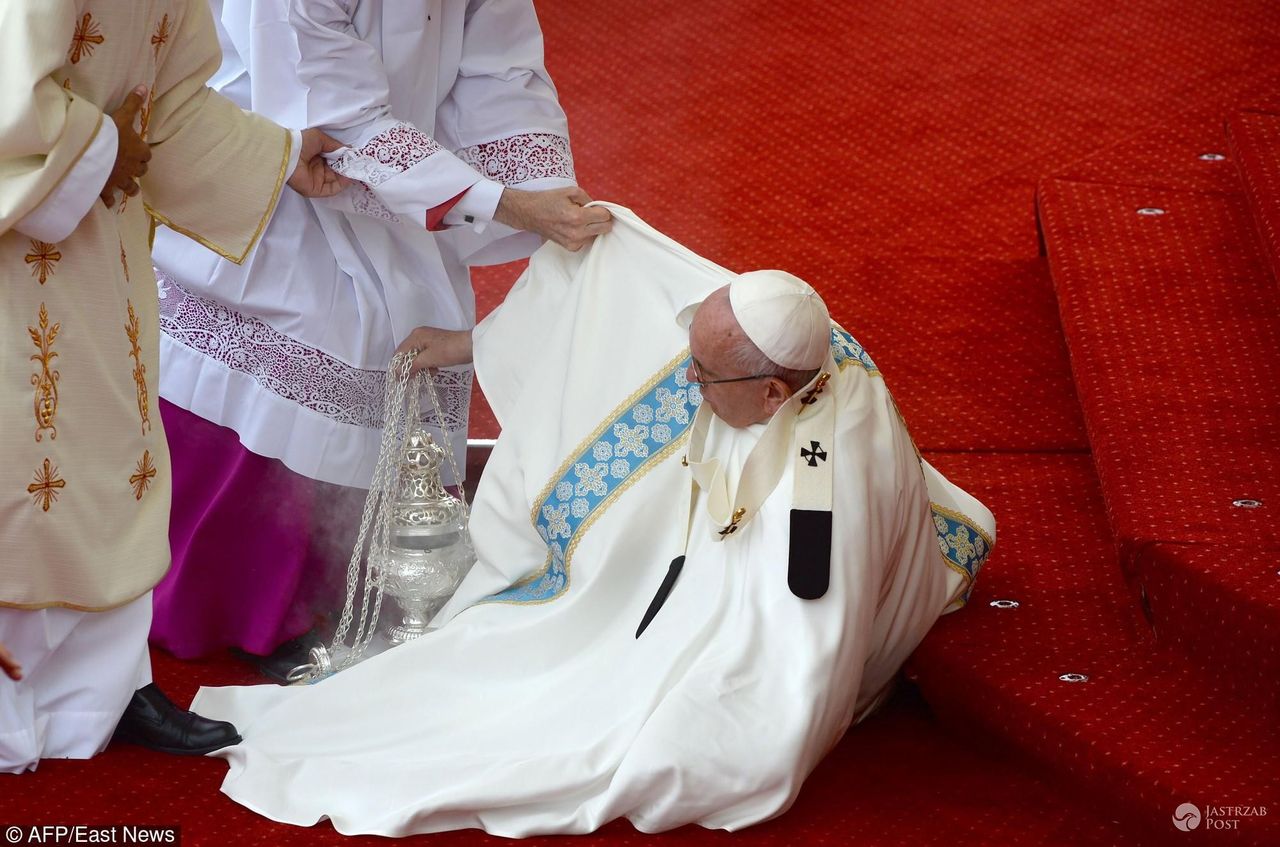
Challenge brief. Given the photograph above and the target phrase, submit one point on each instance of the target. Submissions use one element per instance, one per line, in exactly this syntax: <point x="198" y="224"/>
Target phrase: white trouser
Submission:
<point x="80" y="670"/>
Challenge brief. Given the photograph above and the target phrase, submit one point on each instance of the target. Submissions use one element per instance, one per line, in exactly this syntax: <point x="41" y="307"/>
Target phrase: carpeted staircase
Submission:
<point x="1105" y="380"/>
<point x="1141" y="660"/>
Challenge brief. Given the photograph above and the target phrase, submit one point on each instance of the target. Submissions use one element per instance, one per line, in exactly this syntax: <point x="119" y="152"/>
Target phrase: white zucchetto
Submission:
<point x="781" y="314"/>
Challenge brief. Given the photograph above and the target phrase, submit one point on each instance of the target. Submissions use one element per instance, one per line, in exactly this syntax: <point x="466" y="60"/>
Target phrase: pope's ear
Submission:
<point x="776" y="393"/>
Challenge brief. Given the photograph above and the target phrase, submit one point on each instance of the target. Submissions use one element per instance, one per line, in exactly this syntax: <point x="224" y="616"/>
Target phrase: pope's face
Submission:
<point x="712" y="339"/>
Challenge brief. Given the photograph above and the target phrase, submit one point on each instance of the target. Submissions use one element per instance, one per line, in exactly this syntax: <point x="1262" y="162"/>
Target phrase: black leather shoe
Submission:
<point x="153" y="721"/>
<point x="286" y="657"/>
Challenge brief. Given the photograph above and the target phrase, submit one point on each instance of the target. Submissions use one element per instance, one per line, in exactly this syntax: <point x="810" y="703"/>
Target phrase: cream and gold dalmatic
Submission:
<point x="84" y="468"/>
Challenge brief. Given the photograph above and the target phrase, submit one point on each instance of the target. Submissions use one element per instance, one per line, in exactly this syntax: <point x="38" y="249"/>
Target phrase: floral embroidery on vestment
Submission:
<point x="45" y="380"/>
<point x="133" y="329"/>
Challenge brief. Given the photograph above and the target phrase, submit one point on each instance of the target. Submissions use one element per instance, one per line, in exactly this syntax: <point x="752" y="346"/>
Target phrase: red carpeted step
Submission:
<point x="987" y="367"/>
<point x="1173" y="323"/>
<point x="1220" y="606"/>
<point x="1255" y="141"/>
<point x="899" y="778"/>
<point x="971" y="348"/>
<point x="491" y="285"/>
<point x="1187" y="153"/>
<point x="1148" y="730"/>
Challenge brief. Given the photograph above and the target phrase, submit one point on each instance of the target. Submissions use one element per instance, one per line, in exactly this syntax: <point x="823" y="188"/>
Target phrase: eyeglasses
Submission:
<point x="699" y="379"/>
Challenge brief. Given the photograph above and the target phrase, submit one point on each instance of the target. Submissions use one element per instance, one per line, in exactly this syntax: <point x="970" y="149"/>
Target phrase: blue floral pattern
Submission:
<point x="623" y="447"/>
<point x="846" y="350"/>
<point x="963" y="545"/>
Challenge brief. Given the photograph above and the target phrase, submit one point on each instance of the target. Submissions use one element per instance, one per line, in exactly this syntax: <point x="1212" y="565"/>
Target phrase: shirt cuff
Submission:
<point x="65" y="207"/>
<point x="476" y="206"/>
<point x="295" y="152"/>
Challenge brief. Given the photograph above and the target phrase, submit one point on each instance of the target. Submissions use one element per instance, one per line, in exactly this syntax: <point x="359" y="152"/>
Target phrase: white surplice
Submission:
<point x="444" y="98"/>
<point x="535" y="708"/>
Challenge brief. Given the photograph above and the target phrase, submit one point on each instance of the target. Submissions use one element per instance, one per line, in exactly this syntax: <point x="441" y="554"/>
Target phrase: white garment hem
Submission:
<point x="307" y="442"/>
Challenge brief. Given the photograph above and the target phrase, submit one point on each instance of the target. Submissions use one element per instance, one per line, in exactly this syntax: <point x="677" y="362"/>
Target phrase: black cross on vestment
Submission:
<point x="814" y="455"/>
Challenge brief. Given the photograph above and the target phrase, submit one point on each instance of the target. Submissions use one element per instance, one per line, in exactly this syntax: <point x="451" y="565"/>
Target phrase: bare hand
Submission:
<point x="437" y="348"/>
<point x="132" y="153"/>
<point x="313" y="177"/>
<point x="9" y="665"/>
<point x="559" y="215"/>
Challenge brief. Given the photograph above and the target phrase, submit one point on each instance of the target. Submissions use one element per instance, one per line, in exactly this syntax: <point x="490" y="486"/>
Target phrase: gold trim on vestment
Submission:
<point x="964" y="519"/>
<point x="969" y="522"/>
<point x="45" y="381"/>
<point x="574" y="454"/>
<point x="652" y="462"/>
<point x="74" y="607"/>
<point x="851" y="360"/>
<point x="262" y="224"/>
<point x="599" y="431"/>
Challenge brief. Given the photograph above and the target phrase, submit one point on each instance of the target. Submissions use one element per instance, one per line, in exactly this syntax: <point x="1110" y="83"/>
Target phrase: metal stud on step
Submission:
<point x="1074" y="677"/>
<point x="1246" y="503"/>
<point x="1150" y="211"/>
<point x="1211" y="157"/>
<point x="1005" y="604"/>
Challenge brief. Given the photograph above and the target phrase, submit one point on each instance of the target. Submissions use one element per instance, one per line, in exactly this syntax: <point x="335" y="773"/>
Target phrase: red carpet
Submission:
<point x="1255" y="144"/>
<point x="890" y="154"/>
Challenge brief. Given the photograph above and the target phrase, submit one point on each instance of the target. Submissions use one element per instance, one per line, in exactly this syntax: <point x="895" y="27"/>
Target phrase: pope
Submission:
<point x="705" y="544"/>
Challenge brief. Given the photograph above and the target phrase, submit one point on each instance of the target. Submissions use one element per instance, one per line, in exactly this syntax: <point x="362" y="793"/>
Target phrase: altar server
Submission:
<point x="274" y="368"/>
<point x="106" y="128"/>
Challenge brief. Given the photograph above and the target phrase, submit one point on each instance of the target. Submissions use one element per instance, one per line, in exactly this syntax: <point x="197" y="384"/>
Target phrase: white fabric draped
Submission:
<point x="534" y="708"/>
<point x="80" y="671"/>
<point x="290" y="348"/>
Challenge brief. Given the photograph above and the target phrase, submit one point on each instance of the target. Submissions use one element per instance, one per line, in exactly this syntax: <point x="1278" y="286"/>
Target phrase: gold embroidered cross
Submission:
<point x="45" y="488"/>
<point x="161" y="35"/>
<point x="141" y="479"/>
<point x="86" y="37"/>
<point x="42" y="258"/>
<point x="811" y="396"/>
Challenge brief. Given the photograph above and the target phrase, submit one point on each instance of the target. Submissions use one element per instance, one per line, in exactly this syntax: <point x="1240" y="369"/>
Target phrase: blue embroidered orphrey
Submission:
<point x="846" y="350"/>
<point x="624" y="446"/>
<point x="640" y="436"/>
<point x="963" y="545"/>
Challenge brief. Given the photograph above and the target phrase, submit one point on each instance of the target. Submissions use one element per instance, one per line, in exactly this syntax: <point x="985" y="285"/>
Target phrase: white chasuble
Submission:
<point x="535" y="708"/>
<point x="435" y="99"/>
<point x="84" y="478"/>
